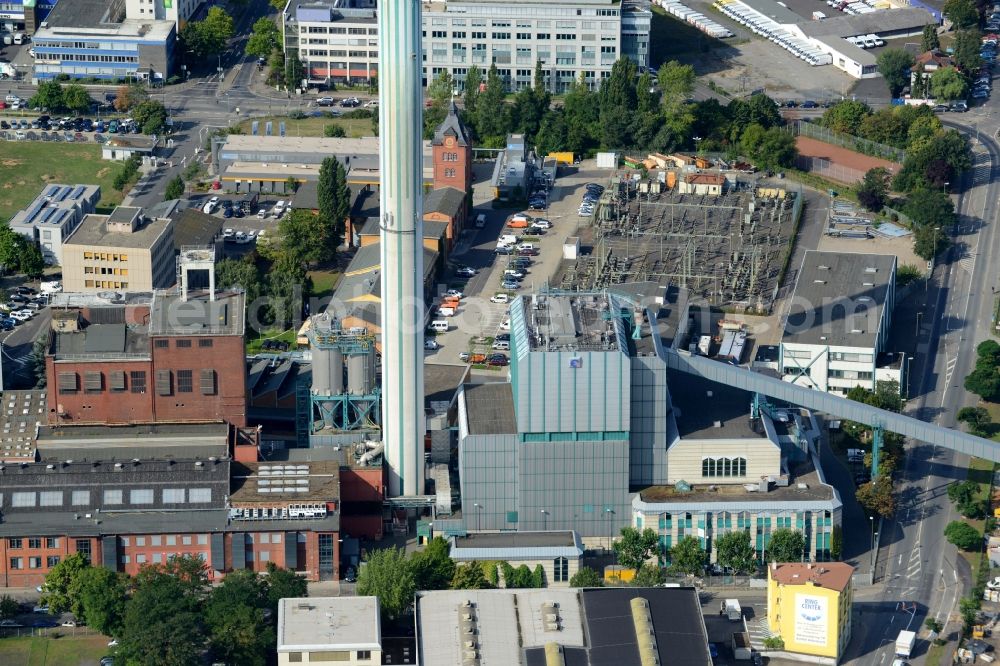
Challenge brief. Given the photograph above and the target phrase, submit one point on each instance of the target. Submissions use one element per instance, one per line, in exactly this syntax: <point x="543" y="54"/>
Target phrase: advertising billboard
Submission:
<point x="811" y="620"/>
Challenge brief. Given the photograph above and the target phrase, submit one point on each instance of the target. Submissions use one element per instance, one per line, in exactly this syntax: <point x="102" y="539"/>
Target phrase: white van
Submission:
<point x="20" y="38"/>
<point x="480" y="220"/>
<point x="445" y="311"/>
<point x="439" y="326"/>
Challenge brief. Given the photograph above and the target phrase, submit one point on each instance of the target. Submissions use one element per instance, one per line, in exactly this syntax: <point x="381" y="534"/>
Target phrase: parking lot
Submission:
<point x="479" y="319"/>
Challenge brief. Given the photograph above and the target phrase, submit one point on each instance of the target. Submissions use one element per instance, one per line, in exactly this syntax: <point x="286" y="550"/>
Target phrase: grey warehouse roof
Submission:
<point x="698" y="405"/>
<point x="490" y="409"/>
<point x="516" y="546"/>
<point x="879" y="22"/>
<point x="838" y="300"/>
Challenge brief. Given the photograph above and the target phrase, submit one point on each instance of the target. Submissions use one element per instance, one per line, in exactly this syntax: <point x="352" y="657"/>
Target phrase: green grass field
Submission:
<point x="355" y="127"/>
<point x="26" y="166"/>
<point x="65" y="651"/>
<point x="324" y="282"/>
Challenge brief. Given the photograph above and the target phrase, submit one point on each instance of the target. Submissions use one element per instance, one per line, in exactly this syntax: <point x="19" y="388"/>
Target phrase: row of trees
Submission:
<point x="629" y="111"/>
<point x="878" y="496"/>
<point x="734" y="550"/>
<point x="984" y="380"/>
<point x="168" y="614"/>
<point x="54" y="97"/>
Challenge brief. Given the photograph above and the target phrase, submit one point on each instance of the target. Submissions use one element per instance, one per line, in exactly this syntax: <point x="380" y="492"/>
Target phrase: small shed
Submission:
<point x="121" y="148"/>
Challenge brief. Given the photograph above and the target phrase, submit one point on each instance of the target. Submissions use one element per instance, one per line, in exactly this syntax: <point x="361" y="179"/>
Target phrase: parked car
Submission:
<point x="510" y="285"/>
<point x="431" y="345"/>
<point x="11" y="624"/>
<point x="497" y="360"/>
<point x="465" y="271"/>
<point x="211" y="205"/>
<point x="454" y="293"/>
<point x="325" y="101"/>
<point x="500" y="298"/>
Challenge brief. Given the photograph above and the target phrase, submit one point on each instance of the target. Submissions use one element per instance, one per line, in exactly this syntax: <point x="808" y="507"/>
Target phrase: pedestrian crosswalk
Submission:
<point x="759" y="631"/>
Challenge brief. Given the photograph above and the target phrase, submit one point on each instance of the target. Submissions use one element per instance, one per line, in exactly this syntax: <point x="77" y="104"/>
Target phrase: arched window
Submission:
<point x="723" y="466"/>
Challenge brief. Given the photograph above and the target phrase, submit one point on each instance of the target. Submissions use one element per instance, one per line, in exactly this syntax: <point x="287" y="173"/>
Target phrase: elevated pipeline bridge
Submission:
<point x="820" y="401"/>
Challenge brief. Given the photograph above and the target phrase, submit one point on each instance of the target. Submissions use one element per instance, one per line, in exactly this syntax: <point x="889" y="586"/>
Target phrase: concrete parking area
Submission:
<point x="478" y="319"/>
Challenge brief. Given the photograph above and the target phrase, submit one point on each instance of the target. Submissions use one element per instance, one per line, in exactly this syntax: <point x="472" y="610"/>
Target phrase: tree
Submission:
<point x="929" y="241"/>
<point x="59" y="582"/>
<point x="687" y="556"/>
<point x="978" y="420"/>
<point x="929" y="39"/>
<point x="9" y="608"/>
<point x="433" y="568"/>
<point x="76" y="98"/>
<point x="388" y="575"/>
<point x="491" y="120"/>
<point x="473" y="78"/>
<point x="283" y="584"/>
<point x="276" y="68"/>
<point x="163" y="623"/>
<point x="846" y="116"/>
<point x="894" y="65"/>
<point x="734" y="550"/>
<point x="634" y="547"/>
<point x="49" y="96"/>
<point x="947" y="84"/>
<point x="676" y="82"/>
<point x="334" y="200"/>
<point x="175" y="188"/>
<point x="586" y="577"/>
<point x="963" y="535"/>
<point x="963" y="494"/>
<point x="771" y="148"/>
<point x="32" y="263"/>
<point x="151" y="116"/>
<point x="837" y="543"/>
<point x="470" y="577"/>
<point x="966" y="50"/>
<point x="209" y="36"/>
<point x="129" y="96"/>
<point x="961" y="13"/>
<point x="239" y="273"/>
<point x="877" y="495"/>
<point x="440" y="90"/>
<point x="102" y="595"/>
<point x="649" y="575"/>
<point x="278" y="5"/>
<point x="874" y="188"/>
<point x="930" y="208"/>
<point x="294" y="71"/>
<point x="234" y="615"/>
<point x="334" y="131"/>
<point x="786" y="545"/>
<point x="264" y="38"/>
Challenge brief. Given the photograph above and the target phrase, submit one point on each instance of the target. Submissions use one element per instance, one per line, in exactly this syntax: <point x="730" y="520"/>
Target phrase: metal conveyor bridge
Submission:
<point x="820" y="401"/>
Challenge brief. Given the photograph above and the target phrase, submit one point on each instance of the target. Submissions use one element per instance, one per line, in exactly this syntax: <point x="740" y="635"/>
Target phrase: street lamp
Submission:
<point x="479" y="513"/>
<point x="608" y="511"/>
<point x="937" y="230"/>
<point x="909" y="364"/>
<point x="545" y="520"/>
<point x="871" y="519"/>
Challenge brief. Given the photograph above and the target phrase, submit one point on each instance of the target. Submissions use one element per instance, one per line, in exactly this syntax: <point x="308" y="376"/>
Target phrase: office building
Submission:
<point x="336" y="40"/>
<point x="92" y="39"/>
<point x="123" y="251"/>
<point x="575" y="39"/>
<point x="529" y="627"/>
<point x="837" y="330"/>
<point x="328" y="630"/>
<point x="54" y="215"/>
<point x="809" y="607"/>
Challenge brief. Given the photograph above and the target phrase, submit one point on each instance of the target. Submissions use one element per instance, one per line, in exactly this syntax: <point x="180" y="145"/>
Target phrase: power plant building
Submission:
<point x="593" y="433"/>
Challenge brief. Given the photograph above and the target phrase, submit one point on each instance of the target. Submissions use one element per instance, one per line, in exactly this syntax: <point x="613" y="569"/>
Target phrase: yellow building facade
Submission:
<point x="809" y="606"/>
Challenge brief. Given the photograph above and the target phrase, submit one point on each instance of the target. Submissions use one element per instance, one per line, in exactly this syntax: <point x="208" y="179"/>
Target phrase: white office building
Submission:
<point x="54" y="215"/>
<point x="837" y="328"/>
<point x="178" y="11"/>
<point x="337" y="40"/>
<point x="571" y="39"/>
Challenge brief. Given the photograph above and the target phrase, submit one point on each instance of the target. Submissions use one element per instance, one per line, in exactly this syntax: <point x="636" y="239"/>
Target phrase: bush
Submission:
<point x="963" y="535"/>
<point x="906" y="274"/>
<point x="296" y="115"/>
<point x="774" y="643"/>
<point x="359" y="113"/>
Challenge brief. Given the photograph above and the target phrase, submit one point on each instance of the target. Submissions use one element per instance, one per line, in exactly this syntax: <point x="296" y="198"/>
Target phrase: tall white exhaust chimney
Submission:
<point x="401" y="201"/>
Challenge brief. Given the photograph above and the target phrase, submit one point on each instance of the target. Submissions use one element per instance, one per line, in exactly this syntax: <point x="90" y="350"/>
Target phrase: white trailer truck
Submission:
<point x="731" y="609"/>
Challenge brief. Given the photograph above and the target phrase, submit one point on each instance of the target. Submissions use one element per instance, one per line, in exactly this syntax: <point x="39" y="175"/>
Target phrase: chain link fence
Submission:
<point x="829" y="169"/>
<point x="866" y="146"/>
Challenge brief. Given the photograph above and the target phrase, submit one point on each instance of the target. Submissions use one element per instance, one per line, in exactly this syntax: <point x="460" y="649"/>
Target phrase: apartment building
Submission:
<point x="122" y="251"/>
<point x="572" y="39"/>
<point x="837" y="328"/>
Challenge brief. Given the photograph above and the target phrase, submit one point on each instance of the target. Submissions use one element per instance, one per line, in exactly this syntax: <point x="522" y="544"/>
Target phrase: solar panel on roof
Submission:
<point x="77" y="191"/>
<point x="33" y="210"/>
<point x="46" y="214"/>
<point x="62" y="194"/>
<point x="63" y="214"/>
